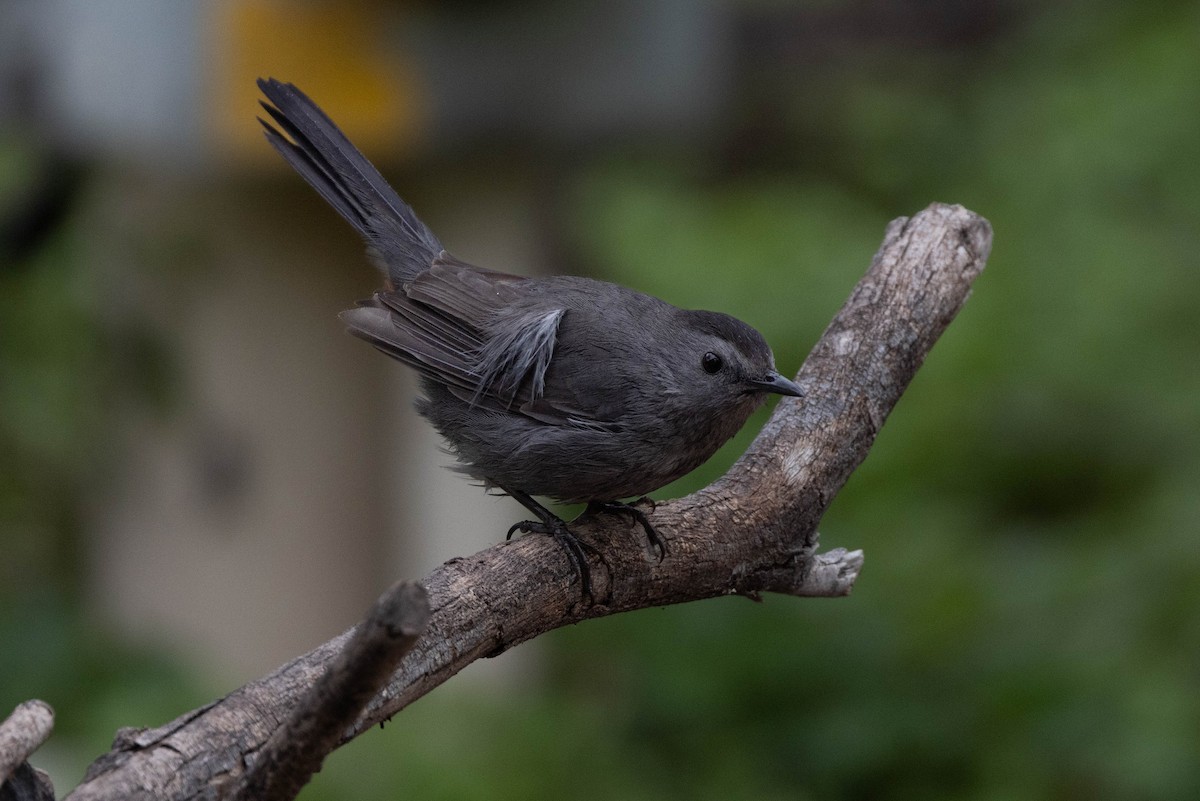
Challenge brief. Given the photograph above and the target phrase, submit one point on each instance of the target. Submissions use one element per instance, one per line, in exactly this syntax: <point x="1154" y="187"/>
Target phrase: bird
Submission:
<point x="561" y="387"/>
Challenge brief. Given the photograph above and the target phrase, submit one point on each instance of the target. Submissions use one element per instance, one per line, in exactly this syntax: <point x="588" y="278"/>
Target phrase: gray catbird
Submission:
<point x="566" y="387"/>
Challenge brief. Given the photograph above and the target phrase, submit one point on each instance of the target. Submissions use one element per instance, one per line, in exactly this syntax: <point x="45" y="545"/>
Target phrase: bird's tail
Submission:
<point x="315" y="147"/>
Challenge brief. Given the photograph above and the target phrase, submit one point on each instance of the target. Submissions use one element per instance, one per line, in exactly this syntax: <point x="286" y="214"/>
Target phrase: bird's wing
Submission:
<point x="476" y="332"/>
<point x="434" y="344"/>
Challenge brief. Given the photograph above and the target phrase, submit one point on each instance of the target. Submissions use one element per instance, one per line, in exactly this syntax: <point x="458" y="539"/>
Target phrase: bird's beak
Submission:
<point x="776" y="383"/>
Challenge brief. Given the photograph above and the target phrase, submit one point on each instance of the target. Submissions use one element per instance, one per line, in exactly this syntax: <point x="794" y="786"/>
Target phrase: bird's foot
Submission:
<point x="575" y="547"/>
<point x="617" y="508"/>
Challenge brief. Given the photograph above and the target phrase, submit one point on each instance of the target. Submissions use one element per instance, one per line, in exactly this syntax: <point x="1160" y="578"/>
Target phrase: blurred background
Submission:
<point x="202" y="476"/>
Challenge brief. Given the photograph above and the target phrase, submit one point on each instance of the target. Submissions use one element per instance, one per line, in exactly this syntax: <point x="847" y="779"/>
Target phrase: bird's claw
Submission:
<point x="574" y="547"/>
<point x="618" y="508"/>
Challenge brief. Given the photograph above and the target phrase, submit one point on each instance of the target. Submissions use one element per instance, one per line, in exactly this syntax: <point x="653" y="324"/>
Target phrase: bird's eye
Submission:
<point x="711" y="362"/>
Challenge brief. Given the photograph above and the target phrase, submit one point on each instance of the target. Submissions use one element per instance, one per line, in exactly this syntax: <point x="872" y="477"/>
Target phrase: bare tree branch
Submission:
<point x="296" y="750"/>
<point x="22" y="733"/>
<point x="751" y="531"/>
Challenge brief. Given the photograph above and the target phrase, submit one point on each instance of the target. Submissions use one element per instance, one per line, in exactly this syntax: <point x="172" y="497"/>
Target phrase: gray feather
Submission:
<point x="324" y="157"/>
<point x="465" y="291"/>
<point x="518" y="353"/>
<point x="490" y="370"/>
<point x="377" y="325"/>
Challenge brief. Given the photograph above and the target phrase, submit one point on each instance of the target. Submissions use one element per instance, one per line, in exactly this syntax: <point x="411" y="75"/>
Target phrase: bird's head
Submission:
<point x="726" y="364"/>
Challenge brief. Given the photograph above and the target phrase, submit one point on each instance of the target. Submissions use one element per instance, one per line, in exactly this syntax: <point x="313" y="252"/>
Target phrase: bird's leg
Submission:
<point x="618" y="508"/>
<point x="555" y="526"/>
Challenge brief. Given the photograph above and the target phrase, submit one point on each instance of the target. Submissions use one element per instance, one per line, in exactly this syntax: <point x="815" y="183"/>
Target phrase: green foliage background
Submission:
<point x="1028" y="622"/>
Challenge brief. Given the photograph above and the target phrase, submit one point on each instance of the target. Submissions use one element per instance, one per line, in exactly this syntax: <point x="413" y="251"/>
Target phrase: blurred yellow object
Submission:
<point x="334" y="51"/>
